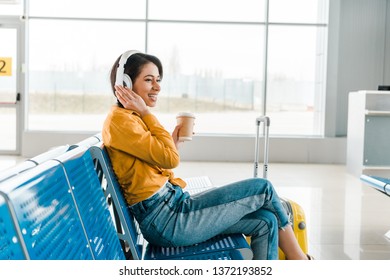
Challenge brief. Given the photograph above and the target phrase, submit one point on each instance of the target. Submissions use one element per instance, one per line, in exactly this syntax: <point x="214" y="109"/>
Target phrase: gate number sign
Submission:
<point x="5" y="66"/>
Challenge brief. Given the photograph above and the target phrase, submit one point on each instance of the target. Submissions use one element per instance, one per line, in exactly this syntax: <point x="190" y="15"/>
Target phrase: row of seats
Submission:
<point x="67" y="204"/>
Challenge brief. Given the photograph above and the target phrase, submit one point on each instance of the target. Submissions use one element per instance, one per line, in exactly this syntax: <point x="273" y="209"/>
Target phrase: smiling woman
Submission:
<point x="143" y="155"/>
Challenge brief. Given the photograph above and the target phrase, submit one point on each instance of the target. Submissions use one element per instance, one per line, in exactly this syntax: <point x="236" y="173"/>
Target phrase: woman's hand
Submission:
<point x="132" y="101"/>
<point x="175" y="136"/>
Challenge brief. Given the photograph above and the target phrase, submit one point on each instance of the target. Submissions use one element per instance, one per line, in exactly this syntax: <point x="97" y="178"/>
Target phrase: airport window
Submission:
<point x="11" y="8"/>
<point x="296" y="83"/>
<point x="223" y="61"/>
<point x="113" y="9"/>
<point x="69" y="63"/>
<point x="214" y="77"/>
<point x="206" y="10"/>
<point x="298" y="11"/>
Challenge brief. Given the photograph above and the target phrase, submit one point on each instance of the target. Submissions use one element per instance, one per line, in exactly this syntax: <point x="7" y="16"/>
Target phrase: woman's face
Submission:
<point x="147" y="84"/>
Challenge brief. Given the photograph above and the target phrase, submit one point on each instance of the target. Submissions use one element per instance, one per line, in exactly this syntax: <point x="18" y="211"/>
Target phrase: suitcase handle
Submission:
<point x="266" y="121"/>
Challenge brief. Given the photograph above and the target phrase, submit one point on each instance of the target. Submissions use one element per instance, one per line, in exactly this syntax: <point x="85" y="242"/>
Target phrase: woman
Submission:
<point x="143" y="155"/>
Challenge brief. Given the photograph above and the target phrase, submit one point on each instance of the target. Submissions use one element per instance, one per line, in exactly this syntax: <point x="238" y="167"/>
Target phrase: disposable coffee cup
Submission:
<point x="187" y="121"/>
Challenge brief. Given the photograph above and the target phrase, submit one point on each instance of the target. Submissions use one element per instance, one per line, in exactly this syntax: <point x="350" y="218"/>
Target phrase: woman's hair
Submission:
<point x="133" y="67"/>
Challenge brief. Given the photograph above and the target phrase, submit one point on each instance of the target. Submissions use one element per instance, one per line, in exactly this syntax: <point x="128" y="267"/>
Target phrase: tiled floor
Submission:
<point x="345" y="218"/>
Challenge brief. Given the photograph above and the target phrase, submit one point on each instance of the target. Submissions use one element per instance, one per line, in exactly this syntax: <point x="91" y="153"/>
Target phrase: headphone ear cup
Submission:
<point x="127" y="81"/>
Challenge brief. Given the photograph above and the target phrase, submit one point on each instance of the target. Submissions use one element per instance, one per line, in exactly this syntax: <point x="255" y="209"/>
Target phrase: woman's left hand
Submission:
<point x="175" y="135"/>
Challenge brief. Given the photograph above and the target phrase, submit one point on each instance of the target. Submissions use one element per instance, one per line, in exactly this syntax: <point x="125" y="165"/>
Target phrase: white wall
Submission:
<point x="358" y="55"/>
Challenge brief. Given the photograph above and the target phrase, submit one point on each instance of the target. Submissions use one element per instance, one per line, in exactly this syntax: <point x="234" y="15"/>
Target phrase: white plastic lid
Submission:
<point x="185" y="114"/>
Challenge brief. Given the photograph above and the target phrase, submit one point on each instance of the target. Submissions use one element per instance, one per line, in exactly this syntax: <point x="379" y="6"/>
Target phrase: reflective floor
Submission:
<point x="346" y="219"/>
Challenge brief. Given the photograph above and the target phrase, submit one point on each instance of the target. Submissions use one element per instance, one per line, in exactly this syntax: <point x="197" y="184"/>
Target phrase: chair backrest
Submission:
<point x="15" y="170"/>
<point x="50" y="154"/>
<point x="99" y="136"/>
<point x="91" y="204"/>
<point x="88" y="142"/>
<point x="125" y="224"/>
<point x="45" y="213"/>
<point x="11" y="247"/>
<point x="32" y="162"/>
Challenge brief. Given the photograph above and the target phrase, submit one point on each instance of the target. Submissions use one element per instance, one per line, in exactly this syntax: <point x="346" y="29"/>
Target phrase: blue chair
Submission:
<point x="91" y="204"/>
<point x="11" y="247"/>
<point x="220" y="247"/>
<point x="378" y="183"/>
<point x="44" y="211"/>
<point x="216" y="255"/>
<point x="131" y="241"/>
<point x="32" y="162"/>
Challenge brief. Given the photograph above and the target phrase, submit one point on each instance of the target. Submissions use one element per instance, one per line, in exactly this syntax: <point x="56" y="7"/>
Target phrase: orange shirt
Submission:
<point x="142" y="153"/>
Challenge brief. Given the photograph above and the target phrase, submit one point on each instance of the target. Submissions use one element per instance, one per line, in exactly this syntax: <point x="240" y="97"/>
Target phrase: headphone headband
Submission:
<point x="120" y="71"/>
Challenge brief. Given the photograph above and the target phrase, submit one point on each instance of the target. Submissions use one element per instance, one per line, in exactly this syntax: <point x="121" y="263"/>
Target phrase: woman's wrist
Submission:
<point x="144" y="113"/>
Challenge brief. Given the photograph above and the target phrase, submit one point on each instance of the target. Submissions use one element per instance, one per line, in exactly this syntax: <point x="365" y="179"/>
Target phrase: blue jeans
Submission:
<point x="172" y="217"/>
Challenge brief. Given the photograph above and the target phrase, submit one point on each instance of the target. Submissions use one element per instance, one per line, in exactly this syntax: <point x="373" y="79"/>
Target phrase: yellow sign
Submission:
<point x="5" y="66"/>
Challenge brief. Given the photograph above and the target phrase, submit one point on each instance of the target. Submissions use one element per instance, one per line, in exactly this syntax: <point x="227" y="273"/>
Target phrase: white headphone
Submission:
<point x="121" y="77"/>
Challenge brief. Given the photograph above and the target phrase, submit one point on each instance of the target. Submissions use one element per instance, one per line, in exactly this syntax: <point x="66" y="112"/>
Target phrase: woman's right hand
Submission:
<point x="132" y="101"/>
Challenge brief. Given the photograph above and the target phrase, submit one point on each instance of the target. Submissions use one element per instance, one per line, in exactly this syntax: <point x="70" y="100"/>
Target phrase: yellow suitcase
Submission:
<point x="293" y="209"/>
<point x="298" y="220"/>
